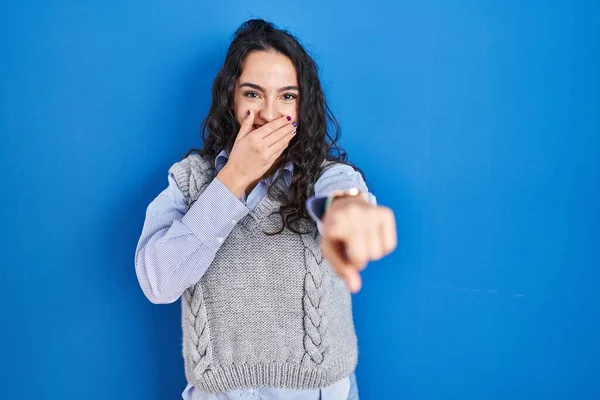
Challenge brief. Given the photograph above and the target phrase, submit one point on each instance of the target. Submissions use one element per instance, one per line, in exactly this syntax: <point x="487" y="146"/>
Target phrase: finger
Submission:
<point x="279" y="135"/>
<point x="342" y="230"/>
<point x="333" y="253"/>
<point x="353" y="280"/>
<point x="246" y="125"/>
<point x="388" y="232"/>
<point x="272" y="126"/>
<point x="281" y="145"/>
<point x="376" y="237"/>
<point x="368" y="241"/>
<point x="357" y="250"/>
<point x="336" y="227"/>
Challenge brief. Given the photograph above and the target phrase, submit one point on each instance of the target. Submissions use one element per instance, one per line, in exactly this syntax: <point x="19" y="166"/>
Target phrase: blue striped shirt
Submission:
<point x="178" y="244"/>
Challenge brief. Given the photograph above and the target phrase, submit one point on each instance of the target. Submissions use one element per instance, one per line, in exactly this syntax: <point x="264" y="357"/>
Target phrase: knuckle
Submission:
<point x="354" y="209"/>
<point x="362" y="265"/>
<point x="390" y="246"/>
<point x="361" y="262"/>
<point x="387" y="212"/>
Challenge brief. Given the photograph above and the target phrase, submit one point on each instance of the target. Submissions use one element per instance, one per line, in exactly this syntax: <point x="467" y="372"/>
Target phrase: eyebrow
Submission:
<point x="258" y="87"/>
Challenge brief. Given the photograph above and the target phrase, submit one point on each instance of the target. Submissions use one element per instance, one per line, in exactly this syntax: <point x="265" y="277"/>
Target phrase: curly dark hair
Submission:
<point x="310" y="147"/>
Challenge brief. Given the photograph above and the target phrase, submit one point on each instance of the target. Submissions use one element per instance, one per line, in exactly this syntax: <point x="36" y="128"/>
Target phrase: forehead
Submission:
<point x="268" y="69"/>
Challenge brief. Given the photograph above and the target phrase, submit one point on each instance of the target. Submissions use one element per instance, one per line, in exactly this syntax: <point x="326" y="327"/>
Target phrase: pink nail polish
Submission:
<point x="289" y="118"/>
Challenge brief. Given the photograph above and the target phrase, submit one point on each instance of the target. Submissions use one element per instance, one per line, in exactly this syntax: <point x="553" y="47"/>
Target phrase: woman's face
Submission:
<point x="268" y="85"/>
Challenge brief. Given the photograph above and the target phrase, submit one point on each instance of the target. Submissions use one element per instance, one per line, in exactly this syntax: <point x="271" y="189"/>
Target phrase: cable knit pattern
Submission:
<point x="315" y="323"/>
<point x="195" y="325"/>
<point x="269" y="310"/>
<point x="192" y="175"/>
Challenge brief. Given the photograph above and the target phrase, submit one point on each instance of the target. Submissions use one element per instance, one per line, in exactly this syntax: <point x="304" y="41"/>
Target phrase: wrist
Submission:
<point x="233" y="181"/>
<point x="353" y="193"/>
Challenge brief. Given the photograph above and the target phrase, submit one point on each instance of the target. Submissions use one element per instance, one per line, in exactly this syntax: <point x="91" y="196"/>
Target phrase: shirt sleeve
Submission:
<point x="178" y="243"/>
<point x="338" y="177"/>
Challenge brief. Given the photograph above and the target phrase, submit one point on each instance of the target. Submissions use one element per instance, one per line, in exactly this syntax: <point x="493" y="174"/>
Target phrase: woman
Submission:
<point x="262" y="234"/>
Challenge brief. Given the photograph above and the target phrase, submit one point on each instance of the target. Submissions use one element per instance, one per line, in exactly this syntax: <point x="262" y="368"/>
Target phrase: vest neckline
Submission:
<point x="264" y="207"/>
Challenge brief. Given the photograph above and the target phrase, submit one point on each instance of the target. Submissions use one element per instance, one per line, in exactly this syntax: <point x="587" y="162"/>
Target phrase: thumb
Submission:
<point x="246" y="125"/>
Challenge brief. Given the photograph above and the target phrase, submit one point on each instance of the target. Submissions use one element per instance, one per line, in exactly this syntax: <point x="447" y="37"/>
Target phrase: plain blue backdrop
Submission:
<point x="475" y="121"/>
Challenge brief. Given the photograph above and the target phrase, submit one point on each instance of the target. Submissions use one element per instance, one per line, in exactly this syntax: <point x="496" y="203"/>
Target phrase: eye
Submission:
<point x="251" y="95"/>
<point x="289" y="96"/>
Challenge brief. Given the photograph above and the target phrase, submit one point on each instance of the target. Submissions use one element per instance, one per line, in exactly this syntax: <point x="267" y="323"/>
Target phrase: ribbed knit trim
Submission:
<point x="282" y="375"/>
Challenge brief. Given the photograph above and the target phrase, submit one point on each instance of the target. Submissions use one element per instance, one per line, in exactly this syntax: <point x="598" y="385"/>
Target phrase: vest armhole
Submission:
<point x="192" y="168"/>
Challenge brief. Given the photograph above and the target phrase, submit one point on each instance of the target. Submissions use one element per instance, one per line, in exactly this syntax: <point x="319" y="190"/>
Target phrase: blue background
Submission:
<point x="475" y="121"/>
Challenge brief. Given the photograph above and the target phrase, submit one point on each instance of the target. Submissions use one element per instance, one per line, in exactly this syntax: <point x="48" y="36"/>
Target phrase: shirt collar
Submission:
<point x="288" y="168"/>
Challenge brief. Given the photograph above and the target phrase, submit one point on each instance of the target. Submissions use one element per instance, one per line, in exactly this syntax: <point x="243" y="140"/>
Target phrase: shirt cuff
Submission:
<point x="315" y="206"/>
<point x="214" y="214"/>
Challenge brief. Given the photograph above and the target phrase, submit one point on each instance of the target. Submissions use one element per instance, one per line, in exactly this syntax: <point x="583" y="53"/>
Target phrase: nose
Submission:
<point x="268" y="111"/>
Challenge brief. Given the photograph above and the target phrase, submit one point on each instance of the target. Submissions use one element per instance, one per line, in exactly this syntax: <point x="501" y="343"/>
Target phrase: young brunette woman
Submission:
<point x="263" y="233"/>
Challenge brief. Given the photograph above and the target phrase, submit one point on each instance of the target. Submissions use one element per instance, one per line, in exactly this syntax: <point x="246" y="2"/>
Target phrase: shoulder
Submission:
<point x="338" y="175"/>
<point x="190" y="164"/>
<point x="191" y="174"/>
<point x="331" y="168"/>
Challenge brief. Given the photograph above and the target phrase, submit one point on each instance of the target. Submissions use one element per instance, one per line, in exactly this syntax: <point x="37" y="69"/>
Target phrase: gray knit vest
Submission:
<point x="269" y="310"/>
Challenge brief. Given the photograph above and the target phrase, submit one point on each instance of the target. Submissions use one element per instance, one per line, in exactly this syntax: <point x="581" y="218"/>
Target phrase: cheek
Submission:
<point x="292" y="110"/>
<point x="241" y="108"/>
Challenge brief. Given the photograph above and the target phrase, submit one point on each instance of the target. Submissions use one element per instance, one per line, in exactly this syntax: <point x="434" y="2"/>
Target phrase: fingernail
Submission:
<point x="294" y="124"/>
<point x="293" y="133"/>
<point x="289" y="118"/>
